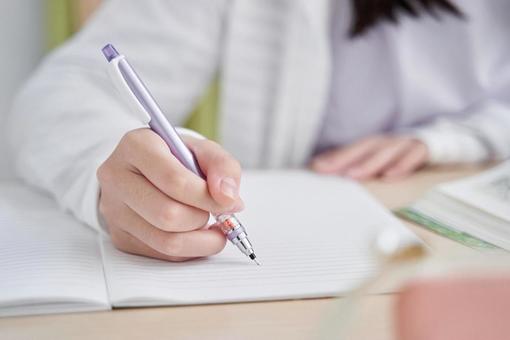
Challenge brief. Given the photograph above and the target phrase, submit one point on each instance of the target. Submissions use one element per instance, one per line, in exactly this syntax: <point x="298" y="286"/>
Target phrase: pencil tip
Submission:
<point x="254" y="258"/>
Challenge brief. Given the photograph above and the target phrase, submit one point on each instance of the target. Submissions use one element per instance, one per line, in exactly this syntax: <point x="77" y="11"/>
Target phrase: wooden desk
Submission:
<point x="295" y="320"/>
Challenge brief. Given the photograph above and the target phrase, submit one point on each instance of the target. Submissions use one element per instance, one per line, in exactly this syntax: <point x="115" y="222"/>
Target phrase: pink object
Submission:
<point x="455" y="308"/>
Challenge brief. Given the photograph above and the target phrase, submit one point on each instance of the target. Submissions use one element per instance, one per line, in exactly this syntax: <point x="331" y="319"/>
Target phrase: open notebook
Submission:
<point x="314" y="236"/>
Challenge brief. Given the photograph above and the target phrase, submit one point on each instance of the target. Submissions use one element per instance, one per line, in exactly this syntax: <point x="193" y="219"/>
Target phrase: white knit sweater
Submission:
<point x="448" y="83"/>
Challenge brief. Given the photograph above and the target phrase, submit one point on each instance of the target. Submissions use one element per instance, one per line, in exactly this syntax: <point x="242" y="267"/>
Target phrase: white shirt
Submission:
<point x="363" y="96"/>
<point x="274" y="58"/>
<point x="366" y="93"/>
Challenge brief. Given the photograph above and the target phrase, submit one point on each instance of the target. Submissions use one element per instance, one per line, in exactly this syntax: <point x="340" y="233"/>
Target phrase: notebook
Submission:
<point x="313" y="234"/>
<point x="474" y="211"/>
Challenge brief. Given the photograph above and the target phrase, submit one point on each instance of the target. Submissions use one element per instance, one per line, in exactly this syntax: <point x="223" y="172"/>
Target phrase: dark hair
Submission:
<point x="369" y="13"/>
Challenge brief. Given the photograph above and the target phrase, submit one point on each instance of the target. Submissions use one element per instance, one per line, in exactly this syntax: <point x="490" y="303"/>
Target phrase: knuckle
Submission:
<point x="167" y="215"/>
<point x="104" y="173"/>
<point x="127" y="140"/>
<point x="131" y="137"/>
<point x="134" y="141"/>
<point x="179" y="183"/>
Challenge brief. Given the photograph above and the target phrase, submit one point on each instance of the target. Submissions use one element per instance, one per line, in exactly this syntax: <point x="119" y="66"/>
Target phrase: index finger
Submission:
<point x="223" y="171"/>
<point x="150" y="155"/>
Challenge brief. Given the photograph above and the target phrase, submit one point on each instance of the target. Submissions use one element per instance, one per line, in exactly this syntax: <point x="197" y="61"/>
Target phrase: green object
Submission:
<point x="442" y="229"/>
<point x="204" y="119"/>
<point x="60" y="21"/>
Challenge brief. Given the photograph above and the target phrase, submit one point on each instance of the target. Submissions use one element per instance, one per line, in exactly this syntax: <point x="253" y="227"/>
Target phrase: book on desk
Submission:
<point x="313" y="233"/>
<point x="474" y="211"/>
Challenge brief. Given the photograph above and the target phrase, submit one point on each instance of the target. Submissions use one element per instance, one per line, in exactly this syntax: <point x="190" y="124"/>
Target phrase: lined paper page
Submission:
<point x="313" y="235"/>
<point x="48" y="262"/>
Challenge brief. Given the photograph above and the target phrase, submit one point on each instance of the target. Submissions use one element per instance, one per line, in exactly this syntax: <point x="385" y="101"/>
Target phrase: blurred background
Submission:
<point x="28" y="30"/>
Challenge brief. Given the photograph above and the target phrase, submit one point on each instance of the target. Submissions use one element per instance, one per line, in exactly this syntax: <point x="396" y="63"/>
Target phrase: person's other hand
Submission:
<point x="378" y="156"/>
<point x="154" y="206"/>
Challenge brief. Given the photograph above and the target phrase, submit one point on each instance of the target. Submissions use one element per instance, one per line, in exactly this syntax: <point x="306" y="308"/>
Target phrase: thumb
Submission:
<point x="222" y="170"/>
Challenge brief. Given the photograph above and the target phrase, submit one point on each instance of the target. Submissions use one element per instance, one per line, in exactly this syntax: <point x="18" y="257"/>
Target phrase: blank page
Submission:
<point x="313" y="234"/>
<point x="48" y="262"/>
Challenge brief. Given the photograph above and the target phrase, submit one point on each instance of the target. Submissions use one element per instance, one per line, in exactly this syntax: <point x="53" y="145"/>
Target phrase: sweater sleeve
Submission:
<point x="484" y="134"/>
<point x="68" y="118"/>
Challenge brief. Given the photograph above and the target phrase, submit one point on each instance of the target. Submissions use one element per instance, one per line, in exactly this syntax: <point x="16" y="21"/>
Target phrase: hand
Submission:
<point x="154" y="206"/>
<point x="379" y="156"/>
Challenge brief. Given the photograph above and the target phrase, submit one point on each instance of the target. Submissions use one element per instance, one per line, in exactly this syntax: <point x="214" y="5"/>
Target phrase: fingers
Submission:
<point x="384" y="156"/>
<point x="129" y="244"/>
<point x="154" y="206"/>
<point x="149" y="155"/>
<point x="339" y="160"/>
<point x="197" y="243"/>
<point x="414" y="159"/>
<point x="222" y="170"/>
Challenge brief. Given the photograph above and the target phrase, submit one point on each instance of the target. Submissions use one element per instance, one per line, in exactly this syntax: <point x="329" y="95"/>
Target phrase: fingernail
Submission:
<point x="229" y="187"/>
